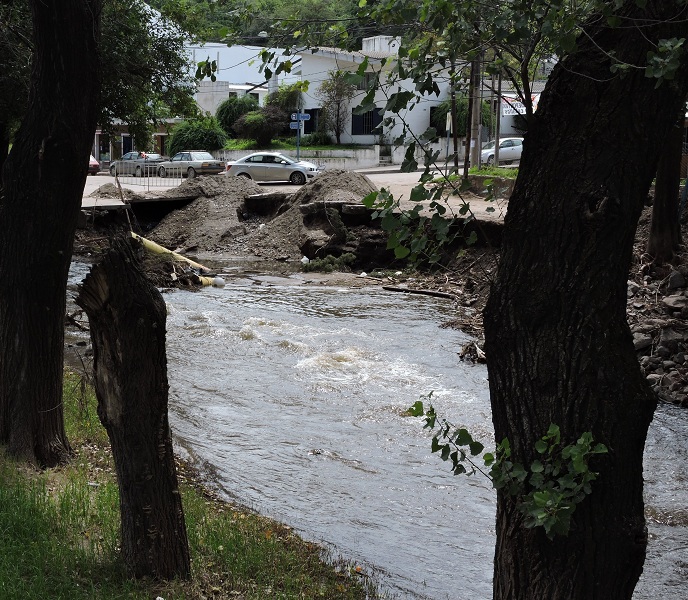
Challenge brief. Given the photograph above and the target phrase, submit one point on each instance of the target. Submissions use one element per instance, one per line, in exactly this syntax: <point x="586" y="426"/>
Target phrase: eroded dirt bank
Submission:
<point x="226" y="216"/>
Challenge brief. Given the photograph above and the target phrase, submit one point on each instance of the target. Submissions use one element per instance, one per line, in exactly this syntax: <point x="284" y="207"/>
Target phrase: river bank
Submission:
<point x="231" y="218"/>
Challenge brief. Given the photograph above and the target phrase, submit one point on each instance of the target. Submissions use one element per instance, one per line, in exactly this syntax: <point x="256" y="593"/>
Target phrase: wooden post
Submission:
<point x="127" y="319"/>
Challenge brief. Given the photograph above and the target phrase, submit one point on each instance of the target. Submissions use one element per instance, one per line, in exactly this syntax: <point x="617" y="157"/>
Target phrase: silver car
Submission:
<point x="190" y="163"/>
<point x="136" y="163"/>
<point x="509" y="151"/>
<point x="272" y="166"/>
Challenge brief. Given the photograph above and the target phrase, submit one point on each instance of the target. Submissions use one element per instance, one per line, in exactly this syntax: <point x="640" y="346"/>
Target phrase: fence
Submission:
<point x="172" y="178"/>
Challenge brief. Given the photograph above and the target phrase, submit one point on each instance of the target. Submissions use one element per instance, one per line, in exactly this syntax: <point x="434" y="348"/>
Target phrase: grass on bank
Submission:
<point x="59" y="534"/>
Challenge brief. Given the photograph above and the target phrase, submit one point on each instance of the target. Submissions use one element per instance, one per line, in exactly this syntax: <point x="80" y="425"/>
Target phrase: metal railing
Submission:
<point x="172" y="177"/>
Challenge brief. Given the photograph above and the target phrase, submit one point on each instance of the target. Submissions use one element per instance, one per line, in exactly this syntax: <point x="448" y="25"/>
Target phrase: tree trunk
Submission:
<point x="665" y="230"/>
<point x="558" y="346"/>
<point x="127" y="319"/>
<point x="43" y="181"/>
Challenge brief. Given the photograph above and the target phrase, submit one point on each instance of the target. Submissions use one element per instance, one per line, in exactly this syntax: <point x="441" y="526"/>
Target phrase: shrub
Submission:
<point x="231" y="109"/>
<point x="199" y="134"/>
<point x="261" y="125"/>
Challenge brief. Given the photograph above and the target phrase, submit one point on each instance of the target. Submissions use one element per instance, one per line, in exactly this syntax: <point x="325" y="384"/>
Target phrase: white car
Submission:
<point x="272" y="166"/>
<point x="509" y="151"/>
<point x="190" y="163"/>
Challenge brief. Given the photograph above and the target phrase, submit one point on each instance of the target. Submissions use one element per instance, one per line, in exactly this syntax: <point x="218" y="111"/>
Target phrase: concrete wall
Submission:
<point x="349" y="159"/>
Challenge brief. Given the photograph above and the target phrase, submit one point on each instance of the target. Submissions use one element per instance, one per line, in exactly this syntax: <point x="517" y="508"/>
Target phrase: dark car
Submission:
<point x="136" y="163"/>
<point x="93" y="166"/>
<point x="190" y="163"/>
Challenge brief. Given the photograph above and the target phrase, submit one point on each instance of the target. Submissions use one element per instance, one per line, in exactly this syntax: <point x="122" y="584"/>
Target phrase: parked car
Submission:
<point x="136" y="163"/>
<point x="272" y="166"/>
<point x="93" y="166"/>
<point x="509" y="151"/>
<point x="190" y="163"/>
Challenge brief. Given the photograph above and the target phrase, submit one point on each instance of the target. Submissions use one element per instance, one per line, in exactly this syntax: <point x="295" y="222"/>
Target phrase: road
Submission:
<point x="399" y="184"/>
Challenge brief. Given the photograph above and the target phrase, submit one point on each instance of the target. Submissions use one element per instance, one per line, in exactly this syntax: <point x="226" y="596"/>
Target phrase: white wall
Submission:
<point x="315" y="69"/>
<point x="238" y="69"/>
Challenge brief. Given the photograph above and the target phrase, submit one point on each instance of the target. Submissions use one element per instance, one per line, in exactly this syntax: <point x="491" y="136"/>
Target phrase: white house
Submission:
<point x="317" y="64"/>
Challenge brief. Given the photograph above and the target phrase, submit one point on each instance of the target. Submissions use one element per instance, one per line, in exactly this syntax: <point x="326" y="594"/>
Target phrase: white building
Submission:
<point x="238" y="74"/>
<point x="316" y="65"/>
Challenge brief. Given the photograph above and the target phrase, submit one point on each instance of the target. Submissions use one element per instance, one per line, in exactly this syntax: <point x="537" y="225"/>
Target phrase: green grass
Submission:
<point x="282" y="144"/>
<point x="59" y="534"/>
<point x="504" y="173"/>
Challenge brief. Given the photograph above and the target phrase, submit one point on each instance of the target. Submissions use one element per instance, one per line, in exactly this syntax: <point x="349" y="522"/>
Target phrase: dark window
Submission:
<point x="365" y="124"/>
<point x="311" y="125"/>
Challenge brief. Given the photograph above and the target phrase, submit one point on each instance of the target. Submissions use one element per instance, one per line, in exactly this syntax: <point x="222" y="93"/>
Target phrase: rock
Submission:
<point x="676" y="280"/>
<point x="670" y="338"/>
<point x="641" y="341"/>
<point x="633" y="288"/>
<point x="653" y="378"/>
<point x="675" y="303"/>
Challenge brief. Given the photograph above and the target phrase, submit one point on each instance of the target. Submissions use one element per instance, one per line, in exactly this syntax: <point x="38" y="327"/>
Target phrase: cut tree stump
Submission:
<point x="127" y="320"/>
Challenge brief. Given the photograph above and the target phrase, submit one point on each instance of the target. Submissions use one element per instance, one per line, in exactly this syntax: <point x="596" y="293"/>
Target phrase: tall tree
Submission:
<point x="559" y="349"/>
<point x="42" y="182"/>
<point x="336" y="94"/>
<point x="665" y="230"/>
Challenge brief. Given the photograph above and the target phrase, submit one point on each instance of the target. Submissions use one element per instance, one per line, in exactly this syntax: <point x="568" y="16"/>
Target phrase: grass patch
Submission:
<point x="285" y="144"/>
<point x="60" y="534"/>
<point x="502" y="172"/>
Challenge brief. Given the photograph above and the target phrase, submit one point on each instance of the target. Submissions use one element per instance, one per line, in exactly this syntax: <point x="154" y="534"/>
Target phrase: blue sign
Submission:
<point x="294" y="125"/>
<point x="300" y="117"/>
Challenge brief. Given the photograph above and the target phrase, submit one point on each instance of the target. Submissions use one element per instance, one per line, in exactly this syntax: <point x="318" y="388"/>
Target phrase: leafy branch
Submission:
<point x="546" y="492"/>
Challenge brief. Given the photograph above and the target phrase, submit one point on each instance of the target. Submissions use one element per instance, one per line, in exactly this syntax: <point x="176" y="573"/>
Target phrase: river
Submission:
<point x="291" y="399"/>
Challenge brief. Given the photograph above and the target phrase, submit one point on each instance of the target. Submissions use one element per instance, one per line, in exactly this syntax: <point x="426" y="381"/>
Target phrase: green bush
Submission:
<point x="317" y="138"/>
<point x="199" y="134"/>
<point x="261" y="125"/>
<point x="231" y="109"/>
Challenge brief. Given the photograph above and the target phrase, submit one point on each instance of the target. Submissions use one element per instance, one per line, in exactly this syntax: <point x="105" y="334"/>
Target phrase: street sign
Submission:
<point x="300" y="117"/>
<point x="294" y="125"/>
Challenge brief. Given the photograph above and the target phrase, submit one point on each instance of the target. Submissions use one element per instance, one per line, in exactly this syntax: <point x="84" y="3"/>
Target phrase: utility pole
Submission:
<point x="476" y="115"/>
<point x="469" y="127"/>
<point x="498" y="120"/>
<point x="454" y="132"/>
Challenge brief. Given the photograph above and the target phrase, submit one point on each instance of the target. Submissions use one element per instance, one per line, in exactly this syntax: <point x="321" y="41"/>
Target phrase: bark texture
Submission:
<point x="127" y="320"/>
<point x="665" y="229"/>
<point x="558" y="346"/>
<point x="42" y="184"/>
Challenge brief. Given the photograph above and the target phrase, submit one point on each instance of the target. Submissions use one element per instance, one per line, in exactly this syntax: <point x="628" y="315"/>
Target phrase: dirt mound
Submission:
<point x="110" y="190"/>
<point x="336" y="185"/>
<point x="208" y="222"/>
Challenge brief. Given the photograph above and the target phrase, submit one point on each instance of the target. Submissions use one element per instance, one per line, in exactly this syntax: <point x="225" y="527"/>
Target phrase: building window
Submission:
<point x="365" y="124"/>
<point x="311" y="126"/>
<point x="366" y="82"/>
<point x="255" y="96"/>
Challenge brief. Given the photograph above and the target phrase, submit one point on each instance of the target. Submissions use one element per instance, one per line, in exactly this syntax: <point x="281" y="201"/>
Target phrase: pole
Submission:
<point x="475" y="114"/>
<point x="499" y="118"/>
<point x="469" y="128"/>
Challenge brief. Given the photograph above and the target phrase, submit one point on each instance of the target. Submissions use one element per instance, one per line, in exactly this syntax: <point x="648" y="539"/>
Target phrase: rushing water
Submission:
<point x="292" y="398"/>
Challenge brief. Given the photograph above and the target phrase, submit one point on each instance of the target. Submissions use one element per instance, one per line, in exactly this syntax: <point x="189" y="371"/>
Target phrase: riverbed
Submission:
<point x="291" y="398"/>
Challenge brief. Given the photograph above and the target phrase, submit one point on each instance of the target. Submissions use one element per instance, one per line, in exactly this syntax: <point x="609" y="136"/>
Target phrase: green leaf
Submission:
<point x="476" y="448"/>
<point x="463" y="438"/>
<point x="401" y="252"/>
<point x="417" y="410"/>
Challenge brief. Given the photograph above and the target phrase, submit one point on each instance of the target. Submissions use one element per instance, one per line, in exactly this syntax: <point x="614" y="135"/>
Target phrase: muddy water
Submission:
<point x="292" y="397"/>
